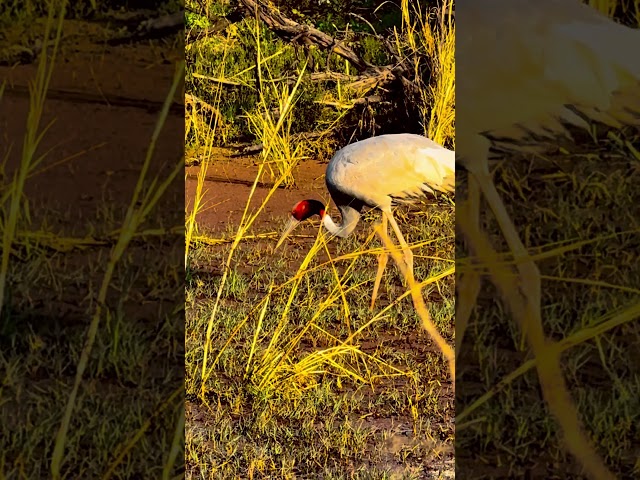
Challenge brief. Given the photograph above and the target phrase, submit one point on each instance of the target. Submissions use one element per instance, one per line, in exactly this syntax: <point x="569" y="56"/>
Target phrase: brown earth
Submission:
<point x="99" y="146"/>
<point x="228" y="183"/>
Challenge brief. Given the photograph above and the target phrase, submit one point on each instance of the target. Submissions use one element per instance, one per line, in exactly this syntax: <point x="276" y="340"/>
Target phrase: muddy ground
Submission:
<point x="229" y="181"/>
<point x="107" y="140"/>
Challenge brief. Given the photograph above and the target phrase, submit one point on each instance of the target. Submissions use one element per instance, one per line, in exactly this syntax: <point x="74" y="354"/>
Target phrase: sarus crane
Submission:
<point x="379" y="172"/>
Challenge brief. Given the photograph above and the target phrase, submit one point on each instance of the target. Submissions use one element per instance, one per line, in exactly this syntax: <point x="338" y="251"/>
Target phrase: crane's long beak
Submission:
<point x="291" y="224"/>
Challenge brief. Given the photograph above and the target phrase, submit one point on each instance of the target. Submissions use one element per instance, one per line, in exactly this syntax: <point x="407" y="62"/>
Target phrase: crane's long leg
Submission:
<point x="476" y="162"/>
<point x="408" y="255"/>
<point x="554" y="388"/>
<point x="468" y="285"/>
<point x="383" y="258"/>
<point x="529" y="273"/>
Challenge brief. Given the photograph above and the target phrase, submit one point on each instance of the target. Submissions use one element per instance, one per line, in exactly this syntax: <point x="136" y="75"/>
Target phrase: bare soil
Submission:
<point x="229" y="181"/>
<point x="100" y="147"/>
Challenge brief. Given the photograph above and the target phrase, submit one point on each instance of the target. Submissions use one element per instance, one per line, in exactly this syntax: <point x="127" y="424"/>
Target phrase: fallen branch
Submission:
<point x="258" y="147"/>
<point x="313" y="77"/>
<point x="218" y="25"/>
<point x="152" y="29"/>
<point x="339" y="77"/>
<point x="371" y="76"/>
<point x="358" y="101"/>
<point x="192" y="100"/>
<point x="304" y="34"/>
<point x="20" y="54"/>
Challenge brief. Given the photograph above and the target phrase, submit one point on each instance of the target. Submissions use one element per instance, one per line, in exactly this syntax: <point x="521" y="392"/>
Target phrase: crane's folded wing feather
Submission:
<point x="392" y="168"/>
<point x="563" y="63"/>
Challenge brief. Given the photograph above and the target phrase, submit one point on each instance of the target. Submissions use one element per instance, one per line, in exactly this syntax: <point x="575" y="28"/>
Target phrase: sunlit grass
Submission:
<point x="297" y="331"/>
<point x="274" y="128"/>
<point x="428" y="34"/>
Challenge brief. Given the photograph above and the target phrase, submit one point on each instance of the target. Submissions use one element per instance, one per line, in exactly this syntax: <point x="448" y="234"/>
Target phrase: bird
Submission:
<point x="379" y="172"/>
<point x="528" y="72"/>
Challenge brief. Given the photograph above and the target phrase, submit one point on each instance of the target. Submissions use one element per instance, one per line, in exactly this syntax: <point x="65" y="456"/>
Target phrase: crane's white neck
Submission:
<point x="350" y="218"/>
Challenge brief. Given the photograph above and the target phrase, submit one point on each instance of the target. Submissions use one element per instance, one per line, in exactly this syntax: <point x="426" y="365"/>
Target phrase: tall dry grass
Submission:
<point x="428" y="35"/>
<point x="274" y="127"/>
<point x="14" y="202"/>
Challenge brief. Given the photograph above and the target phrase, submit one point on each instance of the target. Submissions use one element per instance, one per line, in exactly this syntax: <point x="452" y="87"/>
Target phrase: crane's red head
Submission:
<point x="307" y="208"/>
<point x="300" y="212"/>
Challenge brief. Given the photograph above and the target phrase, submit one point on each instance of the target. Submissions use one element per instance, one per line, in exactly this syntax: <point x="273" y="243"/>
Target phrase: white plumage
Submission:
<point x="379" y="172"/>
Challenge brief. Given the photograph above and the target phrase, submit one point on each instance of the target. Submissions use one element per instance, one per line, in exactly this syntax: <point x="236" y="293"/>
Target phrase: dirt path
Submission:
<point x="228" y="184"/>
<point x="92" y="157"/>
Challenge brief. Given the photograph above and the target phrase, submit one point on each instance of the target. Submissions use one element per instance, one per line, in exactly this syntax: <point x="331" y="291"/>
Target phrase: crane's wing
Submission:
<point x="392" y="168"/>
<point x="526" y="66"/>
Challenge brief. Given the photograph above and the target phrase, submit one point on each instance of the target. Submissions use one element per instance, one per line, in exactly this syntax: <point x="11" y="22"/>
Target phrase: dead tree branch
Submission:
<point x="303" y="34"/>
<point x="153" y="28"/>
<point x="218" y="24"/>
<point x="258" y="147"/>
<point x="371" y="76"/>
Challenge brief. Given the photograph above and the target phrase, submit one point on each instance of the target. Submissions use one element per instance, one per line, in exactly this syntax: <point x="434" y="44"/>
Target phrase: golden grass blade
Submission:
<point x="258" y="330"/>
<point x="604" y="324"/>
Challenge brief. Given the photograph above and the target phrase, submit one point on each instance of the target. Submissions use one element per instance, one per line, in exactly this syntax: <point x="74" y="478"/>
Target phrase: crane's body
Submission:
<point x="379" y="172"/>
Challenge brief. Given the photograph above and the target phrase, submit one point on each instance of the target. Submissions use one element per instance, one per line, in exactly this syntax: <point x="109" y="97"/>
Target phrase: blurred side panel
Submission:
<point x="91" y="212"/>
<point x="547" y="330"/>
